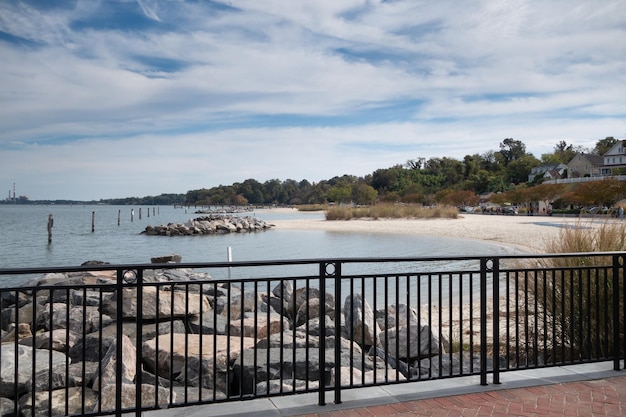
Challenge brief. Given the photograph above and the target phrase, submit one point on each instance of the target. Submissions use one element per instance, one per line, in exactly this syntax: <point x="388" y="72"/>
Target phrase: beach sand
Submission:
<point x="525" y="233"/>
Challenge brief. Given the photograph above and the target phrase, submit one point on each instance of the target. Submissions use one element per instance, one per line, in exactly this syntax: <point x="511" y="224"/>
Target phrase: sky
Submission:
<point x="133" y="98"/>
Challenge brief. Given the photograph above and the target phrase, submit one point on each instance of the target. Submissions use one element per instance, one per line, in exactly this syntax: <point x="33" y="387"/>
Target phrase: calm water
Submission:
<point x="24" y="239"/>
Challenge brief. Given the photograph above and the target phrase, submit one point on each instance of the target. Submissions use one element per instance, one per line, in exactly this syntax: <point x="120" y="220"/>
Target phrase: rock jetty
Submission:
<point x="210" y="225"/>
<point x="200" y="340"/>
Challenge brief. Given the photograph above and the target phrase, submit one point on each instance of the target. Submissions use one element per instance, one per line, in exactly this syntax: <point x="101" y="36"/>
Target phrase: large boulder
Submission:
<point x="179" y="355"/>
<point x="25" y="372"/>
<point x="361" y="325"/>
<point x="158" y="304"/>
<point x="73" y="397"/>
<point x="108" y="375"/>
<point x="412" y="342"/>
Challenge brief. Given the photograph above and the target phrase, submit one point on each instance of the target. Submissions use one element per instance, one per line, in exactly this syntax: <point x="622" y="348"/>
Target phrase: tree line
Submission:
<point x="418" y="180"/>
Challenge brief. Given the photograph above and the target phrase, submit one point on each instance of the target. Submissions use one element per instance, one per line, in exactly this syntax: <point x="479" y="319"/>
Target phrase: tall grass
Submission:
<point x="312" y="207"/>
<point x="573" y="296"/>
<point x="391" y="211"/>
<point x="588" y="237"/>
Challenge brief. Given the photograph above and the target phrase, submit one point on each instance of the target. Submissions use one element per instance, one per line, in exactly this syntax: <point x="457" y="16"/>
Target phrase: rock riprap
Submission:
<point x="210" y="225"/>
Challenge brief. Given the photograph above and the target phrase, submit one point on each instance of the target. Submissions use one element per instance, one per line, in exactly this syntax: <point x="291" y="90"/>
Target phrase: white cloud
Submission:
<point x="289" y="89"/>
<point x="150" y="9"/>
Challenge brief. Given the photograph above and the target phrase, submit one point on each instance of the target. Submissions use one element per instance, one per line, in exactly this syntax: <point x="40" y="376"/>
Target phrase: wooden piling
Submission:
<point x="93" y="221"/>
<point x="119" y="216"/>
<point x="139" y="213"/>
<point x="132" y="214"/>
<point x="50" y="225"/>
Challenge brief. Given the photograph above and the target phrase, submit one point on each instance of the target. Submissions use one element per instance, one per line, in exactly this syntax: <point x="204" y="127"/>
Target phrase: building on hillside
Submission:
<point x="585" y="165"/>
<point x="549" y="171"/>
<point x="614" y="158"/>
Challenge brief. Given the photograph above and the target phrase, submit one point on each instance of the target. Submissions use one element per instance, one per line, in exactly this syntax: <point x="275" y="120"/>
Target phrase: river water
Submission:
<point x="24" y="239"/>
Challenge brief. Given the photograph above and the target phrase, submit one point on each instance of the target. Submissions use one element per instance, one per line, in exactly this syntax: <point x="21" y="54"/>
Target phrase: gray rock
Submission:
<point x="8" y="385"/>
<point x="129" y="397"/>
<point x="173" y="258"/>
<point x="108" y="375"/>
<point x="75" y="402"/>
<point x="258" y="365"/>
<point x="412" y="342"/>
<point x="158" y="304"/>
<point x="361" y="325"/>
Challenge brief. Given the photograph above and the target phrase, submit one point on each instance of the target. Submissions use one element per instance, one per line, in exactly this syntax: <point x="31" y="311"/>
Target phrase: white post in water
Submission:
<point x="229" y="256"/>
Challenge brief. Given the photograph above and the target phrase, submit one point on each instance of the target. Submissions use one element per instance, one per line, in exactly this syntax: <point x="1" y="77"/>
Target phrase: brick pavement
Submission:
<point x="593" y="398"/>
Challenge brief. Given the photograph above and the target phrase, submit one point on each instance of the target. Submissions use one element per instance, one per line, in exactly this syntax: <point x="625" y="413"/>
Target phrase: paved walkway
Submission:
<point x="590" y="390"/>
<point x="603" y="397"/>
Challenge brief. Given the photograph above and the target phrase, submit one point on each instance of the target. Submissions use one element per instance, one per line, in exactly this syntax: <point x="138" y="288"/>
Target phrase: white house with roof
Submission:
<point x="614" y="158"/>
<point x="549" y="171"/>
<point x="585" y="165"/>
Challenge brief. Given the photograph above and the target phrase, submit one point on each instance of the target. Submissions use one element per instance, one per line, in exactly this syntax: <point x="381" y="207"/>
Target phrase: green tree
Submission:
<point x="563" y="153"/>
<point x="449" y="170"/>
<point x="604" y="145"/>
<point x="394" y="179"/>
<point x="518" y="169"/>
<point x="341" y="193"/>
<point x="511" y="149"/>
<point x="364" y="194"/>
<point x="272" y="191"/>
<point x="252" y="190"/>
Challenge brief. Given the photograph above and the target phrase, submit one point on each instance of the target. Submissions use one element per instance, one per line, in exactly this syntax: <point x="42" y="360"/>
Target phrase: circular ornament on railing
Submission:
<point x="329" y="269"/>
<point x="129" y="276"/>
<point x="489" y="265"/>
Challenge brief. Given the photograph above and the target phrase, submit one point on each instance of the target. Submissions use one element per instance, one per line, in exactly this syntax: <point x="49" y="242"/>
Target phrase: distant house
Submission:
<point x="549" y="171"/>
<point x="614" y="158"/>
<point x="585" y="165"/>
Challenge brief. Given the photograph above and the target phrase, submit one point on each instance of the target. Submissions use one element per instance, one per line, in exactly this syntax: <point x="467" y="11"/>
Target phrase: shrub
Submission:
<point x="391" y="211"/>
<point x="312" y="207"/>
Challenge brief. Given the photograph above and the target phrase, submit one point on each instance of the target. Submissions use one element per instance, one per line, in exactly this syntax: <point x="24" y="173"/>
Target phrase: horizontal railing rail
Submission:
<point x="103" y="339"/>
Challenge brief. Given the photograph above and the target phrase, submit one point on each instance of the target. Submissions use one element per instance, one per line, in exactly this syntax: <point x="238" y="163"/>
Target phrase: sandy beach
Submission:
<point x="525" y="233"/>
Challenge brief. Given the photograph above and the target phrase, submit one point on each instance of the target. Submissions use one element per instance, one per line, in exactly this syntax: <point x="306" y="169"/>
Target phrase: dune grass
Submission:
<point x="586" y="237"/>
<point x="312" y="207"/>
<point x="574" y="294"/>
<point x="391" y="211"/>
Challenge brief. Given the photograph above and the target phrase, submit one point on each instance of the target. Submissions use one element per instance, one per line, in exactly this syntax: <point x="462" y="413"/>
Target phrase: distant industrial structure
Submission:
<point x="13" y="198"/>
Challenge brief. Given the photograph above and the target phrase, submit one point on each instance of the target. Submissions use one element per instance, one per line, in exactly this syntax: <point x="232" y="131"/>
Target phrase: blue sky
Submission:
<point x="120" y="98"/>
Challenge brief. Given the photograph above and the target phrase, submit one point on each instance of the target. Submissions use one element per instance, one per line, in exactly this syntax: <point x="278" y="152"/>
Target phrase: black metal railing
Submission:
<point x="113" y="339"/>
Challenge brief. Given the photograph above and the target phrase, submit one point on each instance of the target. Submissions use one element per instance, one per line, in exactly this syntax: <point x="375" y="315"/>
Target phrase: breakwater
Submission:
<point x="210" y="225"/>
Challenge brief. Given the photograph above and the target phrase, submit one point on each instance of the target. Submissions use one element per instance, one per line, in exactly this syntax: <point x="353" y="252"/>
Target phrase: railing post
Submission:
<point x="139" y="346"/>
<point x="330" y="270"/>
<point x="618" y="260"/>
<point x="119" y="317"/>
<point x="322" y="346"/>
<point x="495" y="278"/>
<point x="483" y="321"/>
<point x="338" y="333"/>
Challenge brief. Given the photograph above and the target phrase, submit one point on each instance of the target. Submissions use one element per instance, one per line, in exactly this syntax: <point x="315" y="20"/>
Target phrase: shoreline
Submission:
<point x="528" y="234"/>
